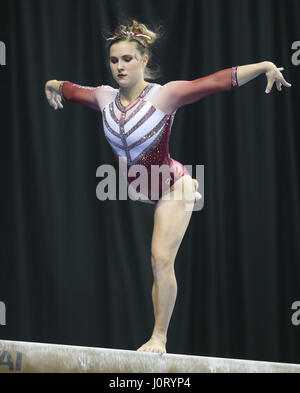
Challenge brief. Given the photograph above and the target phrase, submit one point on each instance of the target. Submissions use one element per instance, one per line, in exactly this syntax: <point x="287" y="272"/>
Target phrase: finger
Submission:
<point x="53" y="103"/>
<point x="59" y="101"/>
<point x="281" y="69"/>
<point x="269" y="86"/>
<point x="282" y="80"/>
<point x="56" y="99"/>
<point x="278" y="85"/>
<point x="52" y="100"/>
<point x="285" y="83"/>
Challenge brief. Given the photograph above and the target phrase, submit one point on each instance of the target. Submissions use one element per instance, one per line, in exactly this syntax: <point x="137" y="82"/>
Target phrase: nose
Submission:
<point x="120" y="66"/>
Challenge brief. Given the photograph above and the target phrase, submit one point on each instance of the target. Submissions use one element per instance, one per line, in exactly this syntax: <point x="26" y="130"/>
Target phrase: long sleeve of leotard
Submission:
<point x="182" y="92"/>
<point x="84" y="95"/>
<point x="220" y="81"/>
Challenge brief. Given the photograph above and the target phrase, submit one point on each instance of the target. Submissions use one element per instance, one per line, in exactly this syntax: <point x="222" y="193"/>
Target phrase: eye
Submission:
<point x="113" y="61"/>
<point x="128" y="59"/>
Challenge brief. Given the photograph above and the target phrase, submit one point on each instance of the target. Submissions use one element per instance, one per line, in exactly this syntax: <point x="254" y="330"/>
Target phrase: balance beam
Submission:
<point x="26" y="357"/>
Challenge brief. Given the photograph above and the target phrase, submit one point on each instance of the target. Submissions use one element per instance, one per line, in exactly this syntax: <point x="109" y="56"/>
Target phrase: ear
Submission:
<point x="145" y="60"/>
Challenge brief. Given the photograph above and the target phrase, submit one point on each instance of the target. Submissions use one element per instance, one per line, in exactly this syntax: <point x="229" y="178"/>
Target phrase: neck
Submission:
<point x="130" y="93"/>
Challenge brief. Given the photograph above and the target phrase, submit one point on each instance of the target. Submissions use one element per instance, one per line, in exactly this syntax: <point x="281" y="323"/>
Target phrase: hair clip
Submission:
<point x="131" y="33"/>
<point x="112" y="38"/>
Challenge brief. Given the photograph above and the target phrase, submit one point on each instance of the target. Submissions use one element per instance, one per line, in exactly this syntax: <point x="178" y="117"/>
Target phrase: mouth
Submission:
<point x="121" y="76"/>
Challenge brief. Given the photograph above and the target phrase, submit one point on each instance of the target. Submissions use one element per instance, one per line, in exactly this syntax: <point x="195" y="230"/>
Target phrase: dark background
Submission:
<point x="77" y="271"/>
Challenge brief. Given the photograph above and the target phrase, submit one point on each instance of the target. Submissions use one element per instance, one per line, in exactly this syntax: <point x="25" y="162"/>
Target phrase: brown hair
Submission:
<point x="144" y="44"/>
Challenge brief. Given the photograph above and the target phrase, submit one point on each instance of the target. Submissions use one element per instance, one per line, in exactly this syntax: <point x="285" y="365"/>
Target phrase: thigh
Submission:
<point x="171" y="217"/>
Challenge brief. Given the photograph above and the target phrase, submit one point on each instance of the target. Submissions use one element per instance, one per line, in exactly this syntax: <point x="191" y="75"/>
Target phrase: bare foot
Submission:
<point x="155" y="344"/>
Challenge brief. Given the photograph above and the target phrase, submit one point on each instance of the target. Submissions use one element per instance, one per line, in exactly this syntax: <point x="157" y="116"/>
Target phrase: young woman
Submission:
<point x="137" y="121"/>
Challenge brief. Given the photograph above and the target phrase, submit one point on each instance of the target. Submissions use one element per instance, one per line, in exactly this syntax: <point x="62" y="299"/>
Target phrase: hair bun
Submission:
<point x="136" y="27"/>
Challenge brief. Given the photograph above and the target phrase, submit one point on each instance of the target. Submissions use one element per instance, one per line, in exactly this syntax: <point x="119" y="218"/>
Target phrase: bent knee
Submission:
<point x="187" y="190"/>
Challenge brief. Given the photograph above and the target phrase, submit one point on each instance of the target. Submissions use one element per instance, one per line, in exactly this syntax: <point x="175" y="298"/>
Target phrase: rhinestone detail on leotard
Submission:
<point x="234" y="80"/>
<point x="123" y="108"/>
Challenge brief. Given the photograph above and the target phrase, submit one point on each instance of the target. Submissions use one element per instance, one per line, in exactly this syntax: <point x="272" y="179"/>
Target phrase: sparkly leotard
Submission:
<point x="139" y="133"/>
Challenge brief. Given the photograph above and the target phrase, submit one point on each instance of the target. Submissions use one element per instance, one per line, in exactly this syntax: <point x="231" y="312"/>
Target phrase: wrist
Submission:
<point x="58" y="86"/>
<point x="55" y="85"/>
<point x="267" y="66"/>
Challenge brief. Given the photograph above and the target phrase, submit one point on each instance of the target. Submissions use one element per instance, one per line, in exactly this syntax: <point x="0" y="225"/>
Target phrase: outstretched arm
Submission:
<point x="179" y="93"/>
<point x="57" y="91"/>
<point x="176" y="94"/>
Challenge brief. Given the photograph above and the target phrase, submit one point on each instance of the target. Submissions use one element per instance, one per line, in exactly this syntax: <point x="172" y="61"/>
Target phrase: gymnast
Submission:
<point x="137" y="120"/>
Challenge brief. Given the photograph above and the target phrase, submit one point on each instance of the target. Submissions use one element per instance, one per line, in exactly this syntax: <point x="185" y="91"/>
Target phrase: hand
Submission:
<point x="53" y="97"/>
<point x="274" y="74"/>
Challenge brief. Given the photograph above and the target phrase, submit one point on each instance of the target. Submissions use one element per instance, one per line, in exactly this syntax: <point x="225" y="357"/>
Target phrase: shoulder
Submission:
<point x="106" y="90"/>
<point x="155" y="90"/>
<point x="168" y="95"/>
<point x="105" y="94"/>
<point x="161" y="99"/>
<point x="172" y="87"/>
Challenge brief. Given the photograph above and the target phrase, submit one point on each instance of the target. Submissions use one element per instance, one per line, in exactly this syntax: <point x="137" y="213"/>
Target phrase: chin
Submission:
<point x="123" y="83"/>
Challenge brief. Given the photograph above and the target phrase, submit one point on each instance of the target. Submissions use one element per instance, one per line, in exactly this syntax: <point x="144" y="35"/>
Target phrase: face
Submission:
<point x="125" y="59"/>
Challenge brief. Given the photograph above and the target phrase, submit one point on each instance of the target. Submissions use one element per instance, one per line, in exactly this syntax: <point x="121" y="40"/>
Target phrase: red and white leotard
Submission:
<point x="139" y="133"/>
